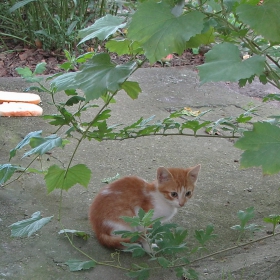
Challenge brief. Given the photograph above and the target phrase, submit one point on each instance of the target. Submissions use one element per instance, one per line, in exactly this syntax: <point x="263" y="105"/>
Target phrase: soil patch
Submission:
<point x="21" y="56"/>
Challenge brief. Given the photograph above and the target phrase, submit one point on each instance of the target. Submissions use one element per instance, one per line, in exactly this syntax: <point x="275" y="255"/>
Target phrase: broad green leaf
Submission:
<point x="56" y="119"/>
<point x="243" y="118"/>
<point x="40" y="68"/>
<point x="159" y="32"/>
<point x="131" y="88"/>
<point x="262" y="147"/>
<point x="58" y="178"/>
<point x="135" y="248"/>
<point x="29" y="226"/>
<point x="141" y="274"/>
<point x="223" y="63"/>
<point x="42" y="145"/>
<point x="74" y="100"/>
<point x="147" y="219"/>
<point x="102" y="28"/>
<point x="194" y="125"/>
<point x="201" y="39"/>
<point x="203" y="236"/>
<point x="76" y="265"/>
<point x="24" y="142"/>
<point x="263" y="19"/>
<point x="124" y="46"/>
<point x="132" y="221"/>
<point x="84" y="57"/>
<point x="7" y="170"/>
<point x="163" y="262"/>
<point x="253" y="227"/>
<point x="98" y="76"/>
<point x="273" y="219"/>
<point x="141" y="213"/>
<point x="24" y="72"/>
<point x="77" y="233"/>
<point x="271" y="96"/>
<point x="245" y="216"/>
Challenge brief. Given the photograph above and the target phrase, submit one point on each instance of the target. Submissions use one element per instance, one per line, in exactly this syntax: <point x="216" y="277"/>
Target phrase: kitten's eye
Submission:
<point x="188" y="193"/>
<point x="174" y="194"/>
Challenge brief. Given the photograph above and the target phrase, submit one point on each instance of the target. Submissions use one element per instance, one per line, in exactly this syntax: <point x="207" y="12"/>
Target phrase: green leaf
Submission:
<point x="245" y="216"/>
<point x="74" y="100"/>
<point x="271" y="96"/>
<point x="7" y="170"/>
<point x="137" y="251"/>
<point x="159" y="32"/>
<point x="243" y="118"/>
<point x="223" y="63"/>
<point x="132" y="89"/>
<point x="20" y="4"/>
<point x="29" y="226"/>
<point x="263" y="19"/>
<point x="40" y="68"/>
<point x="76" y="265"/>
<point x="273" y="219"/>
<point x="24" y="72"/>
<point x="261" y="146"/>
<point x="77" y="233"/>
<point x="84" y="57"/>
<point x="132" y="221"/>
<point x="204" y="236"/>
<point x="58" y="178"/>
<point x="194" y="125"/>
<point x="201" y="39"/>
<point x="102" y="28"/>
<point x="56" y="119"/>
<point x="253" y="227"/>
<point x="42" y="145"/>
<point x="147" y="219"/>
<point x="142" y="273"/>
<point x="163" y="262"/>
<point x="24" y="142"/>
<point x="124" y="46"/>
<point x="98" y="76"/>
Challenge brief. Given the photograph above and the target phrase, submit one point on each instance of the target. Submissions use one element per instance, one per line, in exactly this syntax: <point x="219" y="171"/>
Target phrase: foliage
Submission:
<point x="166" y="244"/>
<point x="274" y="220"/>
<point x="156" y="30"/>
<point x="28" y="227"/>
<point x="51" y="24"/>
<point x="244" y="217"/>
<point x="264" y="139"/>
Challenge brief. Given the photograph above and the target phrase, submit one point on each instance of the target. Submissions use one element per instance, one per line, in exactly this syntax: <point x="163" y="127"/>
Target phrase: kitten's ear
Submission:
<point x="163" y="175"/>
<point x="193" y="173"/>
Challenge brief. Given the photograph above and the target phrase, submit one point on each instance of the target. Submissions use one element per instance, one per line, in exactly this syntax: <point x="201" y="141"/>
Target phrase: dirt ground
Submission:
<point x="223" y="188"/>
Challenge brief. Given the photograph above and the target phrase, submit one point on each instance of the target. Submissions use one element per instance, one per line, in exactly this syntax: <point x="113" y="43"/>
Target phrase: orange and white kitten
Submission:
<point x="124" y="197"/>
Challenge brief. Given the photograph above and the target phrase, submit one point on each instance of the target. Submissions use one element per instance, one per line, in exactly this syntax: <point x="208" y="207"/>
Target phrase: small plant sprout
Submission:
<point x="244" y="217"/>
<point x="274" y="220"/>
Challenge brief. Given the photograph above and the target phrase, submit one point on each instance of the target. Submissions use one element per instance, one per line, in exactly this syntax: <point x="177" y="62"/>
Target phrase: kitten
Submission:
<point x="124" y="197"/>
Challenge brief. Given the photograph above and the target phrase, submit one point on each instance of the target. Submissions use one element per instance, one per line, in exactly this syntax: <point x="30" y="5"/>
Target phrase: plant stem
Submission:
<point x="89" y="257"/>
<point x="23" y="172"/>
<point x="234" y="247"/>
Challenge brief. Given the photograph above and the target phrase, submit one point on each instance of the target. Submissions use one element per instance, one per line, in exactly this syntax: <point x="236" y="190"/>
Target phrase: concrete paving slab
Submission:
<point x="222" y="189"/>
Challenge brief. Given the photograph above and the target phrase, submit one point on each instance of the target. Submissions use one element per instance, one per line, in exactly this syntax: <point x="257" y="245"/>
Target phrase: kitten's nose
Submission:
<point x="181" y="204"/>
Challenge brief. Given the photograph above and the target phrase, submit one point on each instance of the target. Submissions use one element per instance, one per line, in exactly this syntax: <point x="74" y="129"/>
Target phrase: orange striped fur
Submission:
<point x="124" y="197"/>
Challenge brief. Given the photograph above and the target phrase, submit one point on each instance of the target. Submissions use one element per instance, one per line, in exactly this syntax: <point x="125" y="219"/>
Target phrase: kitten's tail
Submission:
<point x="112" y="241"/>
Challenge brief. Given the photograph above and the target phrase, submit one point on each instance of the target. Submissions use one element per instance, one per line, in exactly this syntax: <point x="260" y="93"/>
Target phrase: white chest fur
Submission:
<point x="162" y="207"/>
